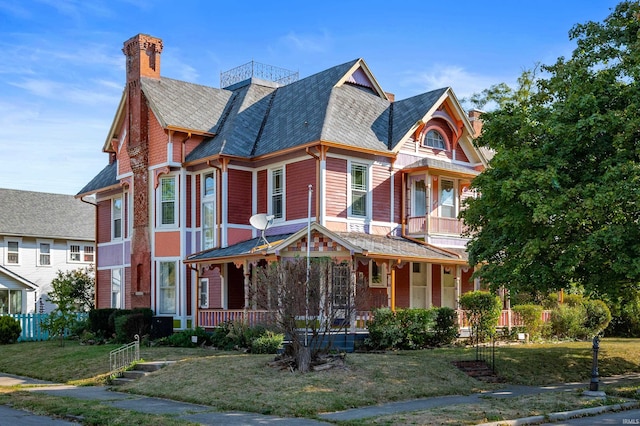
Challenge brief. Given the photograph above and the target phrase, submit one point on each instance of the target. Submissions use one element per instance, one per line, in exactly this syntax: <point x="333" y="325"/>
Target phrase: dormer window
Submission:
<point x="434" y="139"/>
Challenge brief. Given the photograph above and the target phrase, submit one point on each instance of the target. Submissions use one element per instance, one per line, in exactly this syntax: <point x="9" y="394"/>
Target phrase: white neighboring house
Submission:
<point x="40" y="234"/>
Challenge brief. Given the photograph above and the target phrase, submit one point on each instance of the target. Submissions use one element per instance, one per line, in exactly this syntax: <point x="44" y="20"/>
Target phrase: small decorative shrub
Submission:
<point x="531" y="316"/>
<point x="10" y="330"/>
<point x="385" y="331"/>
<point x="567" y="321"/>
<point x="483" y="312"/>
<point x="445" y="327"/>
<point x="268" y="343"/>
<point x="183" y="339"/>
<point x="598" y="317"/>
<point x="99" y="322"/>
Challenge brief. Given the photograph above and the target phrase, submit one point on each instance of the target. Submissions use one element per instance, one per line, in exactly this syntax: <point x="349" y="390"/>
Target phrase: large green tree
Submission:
<point x="560" y="200"/>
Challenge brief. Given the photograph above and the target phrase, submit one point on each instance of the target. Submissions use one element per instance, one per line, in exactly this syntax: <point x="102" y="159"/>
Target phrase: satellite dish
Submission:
<point x="262" y="222"/>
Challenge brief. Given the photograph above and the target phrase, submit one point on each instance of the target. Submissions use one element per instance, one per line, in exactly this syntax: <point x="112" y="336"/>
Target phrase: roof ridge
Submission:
<point x="263" y="123"/>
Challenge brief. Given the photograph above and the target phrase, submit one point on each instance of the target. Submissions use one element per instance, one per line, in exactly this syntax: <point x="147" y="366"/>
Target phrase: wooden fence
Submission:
<point x="31" y="324"/>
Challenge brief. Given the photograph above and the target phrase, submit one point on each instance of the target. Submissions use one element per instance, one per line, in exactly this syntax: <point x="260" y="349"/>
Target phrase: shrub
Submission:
<point x="124" y="330"/>
<point x="531" y="316"/>
<point x="385" y="331"/>
<point x="268" y="343"/>
<point x="567" y="321"/>
<point x="183" y="339"/>
<point x="625" y="313"/>
<point x="99" y="322"/>
<point x="445" y="327"/>
<point x="597" y="318"/>
<point x="10" y="330"/>
<point x="483" y="311"/>
<point x="416" y="325"/>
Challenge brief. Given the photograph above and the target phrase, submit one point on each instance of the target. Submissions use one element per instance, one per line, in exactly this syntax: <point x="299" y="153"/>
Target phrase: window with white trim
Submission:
<point x="359" y="189"/>
<point x="419" y="199"/>
<point x="10" y="301"/>
<point x="79" y="252"/>
<point x="277" y="193"/>
<point x="44" y="253"/>
<point x="377" y="275"/>
<point x="116" y="288"/>
<point x="12" y="256"/>
<point x="208" y="211"/>
<point x="168" y="201"/>
<point x="447" y="198"/>
<point x="203" y="293"/>
<point x="167" y="277"/>
<point x="434" y="139"/>
<point x="116" y="215"/>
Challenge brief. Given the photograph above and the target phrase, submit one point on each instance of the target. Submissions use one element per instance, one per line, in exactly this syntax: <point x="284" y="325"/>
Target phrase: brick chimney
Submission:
<point x="476" y="121"/>
<point x="143" y="60"/>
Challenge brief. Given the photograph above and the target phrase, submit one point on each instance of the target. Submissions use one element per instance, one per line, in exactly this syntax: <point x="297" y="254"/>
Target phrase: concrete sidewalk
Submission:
<point x="206" y="415"/>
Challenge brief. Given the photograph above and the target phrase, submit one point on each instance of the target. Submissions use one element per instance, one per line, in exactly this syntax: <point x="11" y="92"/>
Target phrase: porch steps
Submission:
<point x="139" y="370"/>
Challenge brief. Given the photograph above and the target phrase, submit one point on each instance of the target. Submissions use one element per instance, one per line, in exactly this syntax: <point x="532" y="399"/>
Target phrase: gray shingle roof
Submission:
<point x="441" y="165"/>
<point x="104" y="179"/>
<point x="236" y="250"/>
<point x="407" y="112"/>
<point x="186" y="105"/>
<point x="44" y="215"/>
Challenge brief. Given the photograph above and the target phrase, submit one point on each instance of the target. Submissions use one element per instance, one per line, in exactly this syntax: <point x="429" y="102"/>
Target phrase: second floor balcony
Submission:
<point x="423" y="225"/>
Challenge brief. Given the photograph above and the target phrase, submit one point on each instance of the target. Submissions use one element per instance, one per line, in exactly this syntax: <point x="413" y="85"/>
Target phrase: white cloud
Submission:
<point x="464" y="83"/>
<point x="309" y="43"/>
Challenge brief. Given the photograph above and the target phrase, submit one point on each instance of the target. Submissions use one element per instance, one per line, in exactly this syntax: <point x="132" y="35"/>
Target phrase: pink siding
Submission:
<point x="381" y="192"/>
<point x="157" y="142"/>
<point x="298" y="177"/>
<point x="336" y="190"/>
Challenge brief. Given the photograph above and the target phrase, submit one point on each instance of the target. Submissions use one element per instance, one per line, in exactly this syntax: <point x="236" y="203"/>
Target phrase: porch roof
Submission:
<point x="17" y="279"/>
<point x="374" y="246"/>
<point x="432" y="163"/>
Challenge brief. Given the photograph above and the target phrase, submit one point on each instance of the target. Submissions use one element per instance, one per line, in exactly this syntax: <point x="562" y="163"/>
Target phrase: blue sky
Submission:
<point x="62" y="70"/>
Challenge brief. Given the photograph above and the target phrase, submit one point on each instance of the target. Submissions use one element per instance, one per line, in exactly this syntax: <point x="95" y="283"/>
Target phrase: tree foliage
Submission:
<point x="560" y="199"/>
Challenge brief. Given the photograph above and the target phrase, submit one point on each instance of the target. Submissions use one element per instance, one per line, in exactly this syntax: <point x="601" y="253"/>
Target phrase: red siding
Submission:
<point x="381" y="193"/>
<point x="104" y="221"/>
<point x="397" y="198"/>
<point x="188" y="199"/>
<point x="466" y="283"/>
<point x="403" y="298"/>
<point x="298" y="177"/>
<point x="157" y="142"/>
<point x="436" y="284"/>
<point x="336" y="190"/>
<point x="239" y="196"/>
<point x="460" y="155"/>
<point x="196" y="202"/>
<point x="262" y="191"/>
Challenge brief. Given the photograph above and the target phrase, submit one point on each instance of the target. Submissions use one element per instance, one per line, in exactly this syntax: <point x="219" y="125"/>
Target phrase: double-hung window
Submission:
<point x="419" y="198"/>
<point x="277" y="193"/>
<point x="168" y="201"/>
<point x="447" y="199"/>
<point x="80" y="253"/>
<point x="44" y="253"/>
<point x="116" y="214"/>
<point x="116" y="288"/>
<point x="208" y="211"/>
<point x="12" y="256"/>
<point x="168" y="276"/>
<point x="359" y="189"/>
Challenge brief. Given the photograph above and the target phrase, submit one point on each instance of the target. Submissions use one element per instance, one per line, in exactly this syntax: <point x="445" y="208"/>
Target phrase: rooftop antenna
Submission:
<point x="262" y="222"/>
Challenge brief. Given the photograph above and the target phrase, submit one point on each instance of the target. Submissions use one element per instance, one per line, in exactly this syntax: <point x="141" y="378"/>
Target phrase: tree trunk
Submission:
<point x="303" y="359"/>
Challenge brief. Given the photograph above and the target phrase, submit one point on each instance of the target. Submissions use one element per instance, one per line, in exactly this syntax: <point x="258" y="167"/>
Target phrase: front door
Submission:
<point x="448" y="287"/>
<point x="419" y="286"/>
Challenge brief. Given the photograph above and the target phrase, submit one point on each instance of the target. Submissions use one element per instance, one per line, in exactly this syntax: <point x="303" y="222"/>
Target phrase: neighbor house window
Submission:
<point x="167" y="287"/>
<point x="341" y="276"/>
<point x="447" y="199"/>
<point x="116" y="214"/>
<point x="116" y="288"/>
<point x="168" y="201"/>
<point x="434" y="139"/>
<point x="359" y="189"/>
<point x="13" y="252"/>
<point x="208" y="212"/>
<point x="277" y="193"/>
<point x="44" y="254"/>
<point x="203" y="293"/>
<point x="80" y="253"/>
<point x="10" y="301"/>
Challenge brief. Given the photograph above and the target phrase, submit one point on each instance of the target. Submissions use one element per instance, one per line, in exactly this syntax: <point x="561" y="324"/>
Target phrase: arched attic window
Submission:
<point x="434" y="139"/>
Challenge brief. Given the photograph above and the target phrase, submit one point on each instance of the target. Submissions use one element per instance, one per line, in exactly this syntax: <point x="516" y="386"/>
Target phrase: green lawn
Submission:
<point x="234" y="381"/>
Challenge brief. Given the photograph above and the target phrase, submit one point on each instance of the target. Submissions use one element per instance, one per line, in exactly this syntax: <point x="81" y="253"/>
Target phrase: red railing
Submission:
<point x="508" y="318"/>
<point x="208" y="318"/>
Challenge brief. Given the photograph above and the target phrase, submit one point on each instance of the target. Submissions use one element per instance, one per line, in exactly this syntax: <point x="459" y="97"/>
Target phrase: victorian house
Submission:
<point x="326" y="165"/>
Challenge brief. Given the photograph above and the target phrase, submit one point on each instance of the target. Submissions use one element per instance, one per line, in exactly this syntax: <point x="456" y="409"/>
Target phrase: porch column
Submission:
<point x="392" y="275"/>
<point x="247" y="284"/>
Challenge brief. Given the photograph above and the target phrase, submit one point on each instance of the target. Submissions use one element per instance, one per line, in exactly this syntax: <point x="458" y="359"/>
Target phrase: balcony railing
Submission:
<point x="435" y="225"/>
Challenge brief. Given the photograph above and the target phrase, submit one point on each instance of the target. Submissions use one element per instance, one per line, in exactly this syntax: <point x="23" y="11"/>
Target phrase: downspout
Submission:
<point x="95" y="239"/>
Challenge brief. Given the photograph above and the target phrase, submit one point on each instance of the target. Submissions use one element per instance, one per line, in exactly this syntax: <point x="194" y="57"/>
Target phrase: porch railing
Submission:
<point x="208" y="318"/>
<point x="508" y="318"/>
<point x="124" y="356"/>
<point x="439" y="225"/>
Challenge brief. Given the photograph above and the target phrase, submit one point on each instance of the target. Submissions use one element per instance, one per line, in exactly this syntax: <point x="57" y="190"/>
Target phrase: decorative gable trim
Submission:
<point x="361" y="75"/>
